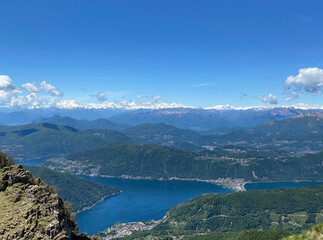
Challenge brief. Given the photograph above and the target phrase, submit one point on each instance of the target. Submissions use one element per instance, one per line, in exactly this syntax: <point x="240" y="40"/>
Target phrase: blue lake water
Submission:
<point x="140" y="200"/>
<point x="36" y="162"/>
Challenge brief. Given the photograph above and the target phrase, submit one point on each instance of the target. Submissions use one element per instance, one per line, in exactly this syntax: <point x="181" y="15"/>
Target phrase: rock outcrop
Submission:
<point x="29" y="209"/>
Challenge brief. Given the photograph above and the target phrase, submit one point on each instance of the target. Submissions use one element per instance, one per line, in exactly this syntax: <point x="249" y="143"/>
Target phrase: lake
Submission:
<point x="140" y="200"/>
<point x="143" y="200"/>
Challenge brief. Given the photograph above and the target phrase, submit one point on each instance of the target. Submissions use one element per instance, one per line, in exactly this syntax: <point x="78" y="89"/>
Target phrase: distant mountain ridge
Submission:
<point x="298" y="134"/>
<point x="207" y="119"/>
<point x="161" y="133"/>
<point x="297" y="125"/>
<point x="82" y="124"/>
<point x="194" y="119"/>
<point x="197" y="119"/>
<point x="44" y="140"/>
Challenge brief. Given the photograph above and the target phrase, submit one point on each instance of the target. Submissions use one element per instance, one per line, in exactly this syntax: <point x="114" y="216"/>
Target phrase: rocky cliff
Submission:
<point x="29" y="209"/>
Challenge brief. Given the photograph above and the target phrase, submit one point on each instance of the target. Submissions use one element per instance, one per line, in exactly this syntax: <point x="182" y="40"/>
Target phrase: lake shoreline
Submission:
<point x="236" y="184"/>
<point x="96" y="203"/>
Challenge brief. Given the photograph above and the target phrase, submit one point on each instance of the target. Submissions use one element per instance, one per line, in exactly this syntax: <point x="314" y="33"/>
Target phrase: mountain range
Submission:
<point x="197" y="119"/>
<point x="100" y="123"/>
<point x="295" y="136"/>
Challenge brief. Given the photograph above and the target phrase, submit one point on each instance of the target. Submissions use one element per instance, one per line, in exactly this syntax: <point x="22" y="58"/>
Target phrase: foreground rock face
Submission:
<point x="29" y="209"/>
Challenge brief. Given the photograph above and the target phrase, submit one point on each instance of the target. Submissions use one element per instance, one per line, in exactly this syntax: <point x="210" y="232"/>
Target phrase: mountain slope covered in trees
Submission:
<point x="100" y="123"/>
<point x="81" y="193"/>
<point x="297" y="135"/>
<point x="161" y="133"/>
<point x="154" y="161"/>
<point x="43" y="140"/>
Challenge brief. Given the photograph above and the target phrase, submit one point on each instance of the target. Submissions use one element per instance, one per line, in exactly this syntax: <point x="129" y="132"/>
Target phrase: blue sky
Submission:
<point x="197" y="53"/>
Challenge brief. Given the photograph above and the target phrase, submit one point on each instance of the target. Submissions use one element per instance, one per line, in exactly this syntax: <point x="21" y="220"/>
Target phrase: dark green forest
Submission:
<point x="155" y="161"/>
<point x="79" y="192"/>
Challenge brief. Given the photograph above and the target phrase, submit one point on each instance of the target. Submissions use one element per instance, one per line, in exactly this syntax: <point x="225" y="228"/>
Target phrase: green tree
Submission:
<point x="5" y="160"/>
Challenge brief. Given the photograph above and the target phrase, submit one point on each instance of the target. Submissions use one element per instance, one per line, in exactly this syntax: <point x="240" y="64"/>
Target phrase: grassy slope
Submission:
<point x="315" y="233"/>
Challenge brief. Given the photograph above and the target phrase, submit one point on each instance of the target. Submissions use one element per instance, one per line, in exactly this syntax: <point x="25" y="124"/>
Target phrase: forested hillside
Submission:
<point x="154" y="161"/>
<point x="234" y="215"/>
<point x="43" y="140"/>
<point x="79" y="192"/>
<point x="100" y="123"/>
<point x="297" y="135"/>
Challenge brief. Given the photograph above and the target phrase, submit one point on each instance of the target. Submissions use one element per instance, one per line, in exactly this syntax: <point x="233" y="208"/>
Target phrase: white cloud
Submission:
<point x="6" y="83"/>
<point x="7" y="90"/>
<point x="30" y="98"/>
<point x="12" y="97"/>
<point x="309" y="80"/>
<point x="141" y="96"/>
<point x="154" y="102"/>
<point x="68" y="104"/>
<point x="270" y="98"/>
<point x="30" y="87"/>
<point x="101" y="96"/>
<point x="201" y="85"/>
<point x="50" y="89"/>
<point x="155" y="99"/>
<point x="292" y="95"/>
<point x="3" y="95"/>
<point x="260" y="108"/>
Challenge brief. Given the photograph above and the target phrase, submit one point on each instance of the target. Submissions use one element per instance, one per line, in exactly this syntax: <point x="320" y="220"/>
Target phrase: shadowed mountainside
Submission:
<point x="81" y="193"/>
<point x="43" y="140"/>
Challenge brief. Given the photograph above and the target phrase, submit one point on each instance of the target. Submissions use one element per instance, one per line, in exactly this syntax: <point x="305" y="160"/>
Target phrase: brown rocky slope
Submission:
<point x="29" y="209"/>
